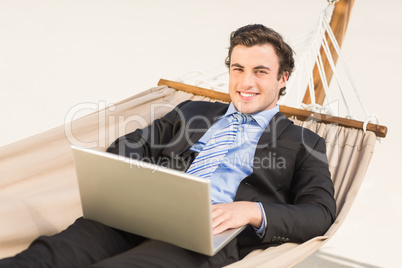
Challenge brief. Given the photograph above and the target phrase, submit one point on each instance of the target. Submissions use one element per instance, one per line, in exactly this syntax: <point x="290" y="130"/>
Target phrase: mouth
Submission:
<point x="247" y="95"/>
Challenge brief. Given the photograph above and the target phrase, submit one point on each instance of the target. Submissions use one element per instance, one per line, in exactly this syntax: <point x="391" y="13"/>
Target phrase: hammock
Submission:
<point x="39" y="192"/>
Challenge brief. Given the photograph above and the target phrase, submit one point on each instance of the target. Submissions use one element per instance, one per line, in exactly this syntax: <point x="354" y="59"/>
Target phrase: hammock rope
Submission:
<point x="345" y="66"/>
<point x="327" y="51"/>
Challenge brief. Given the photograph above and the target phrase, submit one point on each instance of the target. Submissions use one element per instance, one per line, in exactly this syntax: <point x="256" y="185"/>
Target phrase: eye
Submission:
<point x="262" y="72"/>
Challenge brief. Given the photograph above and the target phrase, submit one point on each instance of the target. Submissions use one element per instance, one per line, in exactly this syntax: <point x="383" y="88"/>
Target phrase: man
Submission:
<point x="267" y="174"/>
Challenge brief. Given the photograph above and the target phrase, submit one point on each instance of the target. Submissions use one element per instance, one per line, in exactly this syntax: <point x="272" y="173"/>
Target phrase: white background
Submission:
<point x="57" y="54"/>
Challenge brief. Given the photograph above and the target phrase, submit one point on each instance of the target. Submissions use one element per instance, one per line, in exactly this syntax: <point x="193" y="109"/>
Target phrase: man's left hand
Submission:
<point x="234" y="215"/>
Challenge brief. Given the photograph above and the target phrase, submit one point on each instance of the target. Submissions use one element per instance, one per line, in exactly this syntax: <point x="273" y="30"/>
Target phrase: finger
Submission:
<point x="223" y="226"/>
<point x="216" y="212"/>
<point x="218" y="218"/>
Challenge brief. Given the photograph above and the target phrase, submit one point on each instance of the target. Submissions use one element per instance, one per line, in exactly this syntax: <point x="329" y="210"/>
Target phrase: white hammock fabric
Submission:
<point x="39" y="192"/>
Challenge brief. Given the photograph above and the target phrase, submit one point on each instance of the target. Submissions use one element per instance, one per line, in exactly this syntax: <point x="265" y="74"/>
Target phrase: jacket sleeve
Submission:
<point x="311" y="209"/>
<point x="148" y="143"/>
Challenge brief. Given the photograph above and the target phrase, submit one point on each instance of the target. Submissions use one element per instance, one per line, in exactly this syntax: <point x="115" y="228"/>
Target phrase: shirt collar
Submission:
<point x="262" y="118"/>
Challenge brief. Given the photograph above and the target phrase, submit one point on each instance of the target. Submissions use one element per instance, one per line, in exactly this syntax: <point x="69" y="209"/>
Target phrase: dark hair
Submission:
<point x="258" y="34"/>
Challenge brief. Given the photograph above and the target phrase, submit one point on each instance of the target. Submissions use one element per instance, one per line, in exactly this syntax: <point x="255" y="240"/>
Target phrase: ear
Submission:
<point x="283" y="79"/>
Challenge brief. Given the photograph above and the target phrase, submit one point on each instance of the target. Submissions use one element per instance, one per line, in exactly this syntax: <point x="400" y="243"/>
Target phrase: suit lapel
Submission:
<point x="275" y="128"/>
<point x="206" y="121"/>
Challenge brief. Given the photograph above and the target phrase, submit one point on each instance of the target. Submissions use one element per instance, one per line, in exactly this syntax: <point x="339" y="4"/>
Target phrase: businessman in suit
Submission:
<point x="274" y="177"/>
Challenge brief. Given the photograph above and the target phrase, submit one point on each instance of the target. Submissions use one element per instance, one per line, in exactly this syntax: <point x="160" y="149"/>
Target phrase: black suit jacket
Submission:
<point x="290" y="171"/>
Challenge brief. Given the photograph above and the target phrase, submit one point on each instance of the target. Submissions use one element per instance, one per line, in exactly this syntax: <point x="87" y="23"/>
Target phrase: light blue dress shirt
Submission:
<point x="238" y="162"/>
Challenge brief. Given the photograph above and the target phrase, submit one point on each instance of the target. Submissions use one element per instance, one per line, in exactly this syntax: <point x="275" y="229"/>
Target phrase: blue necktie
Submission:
<point x="208" y="160"/>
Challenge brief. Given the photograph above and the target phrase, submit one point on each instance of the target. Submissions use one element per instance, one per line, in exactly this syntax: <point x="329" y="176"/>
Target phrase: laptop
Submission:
<point x="148" y="200"/>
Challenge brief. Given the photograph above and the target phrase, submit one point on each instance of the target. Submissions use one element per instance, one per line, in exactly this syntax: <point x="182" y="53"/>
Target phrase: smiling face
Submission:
<point x="253" y="79"/>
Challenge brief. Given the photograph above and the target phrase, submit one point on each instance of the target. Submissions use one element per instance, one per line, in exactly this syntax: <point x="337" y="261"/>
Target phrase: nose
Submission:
<point x="247" y="81"/>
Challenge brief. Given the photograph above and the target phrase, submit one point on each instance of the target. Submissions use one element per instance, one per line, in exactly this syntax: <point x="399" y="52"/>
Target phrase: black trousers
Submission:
<point x="87" y="243"/>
